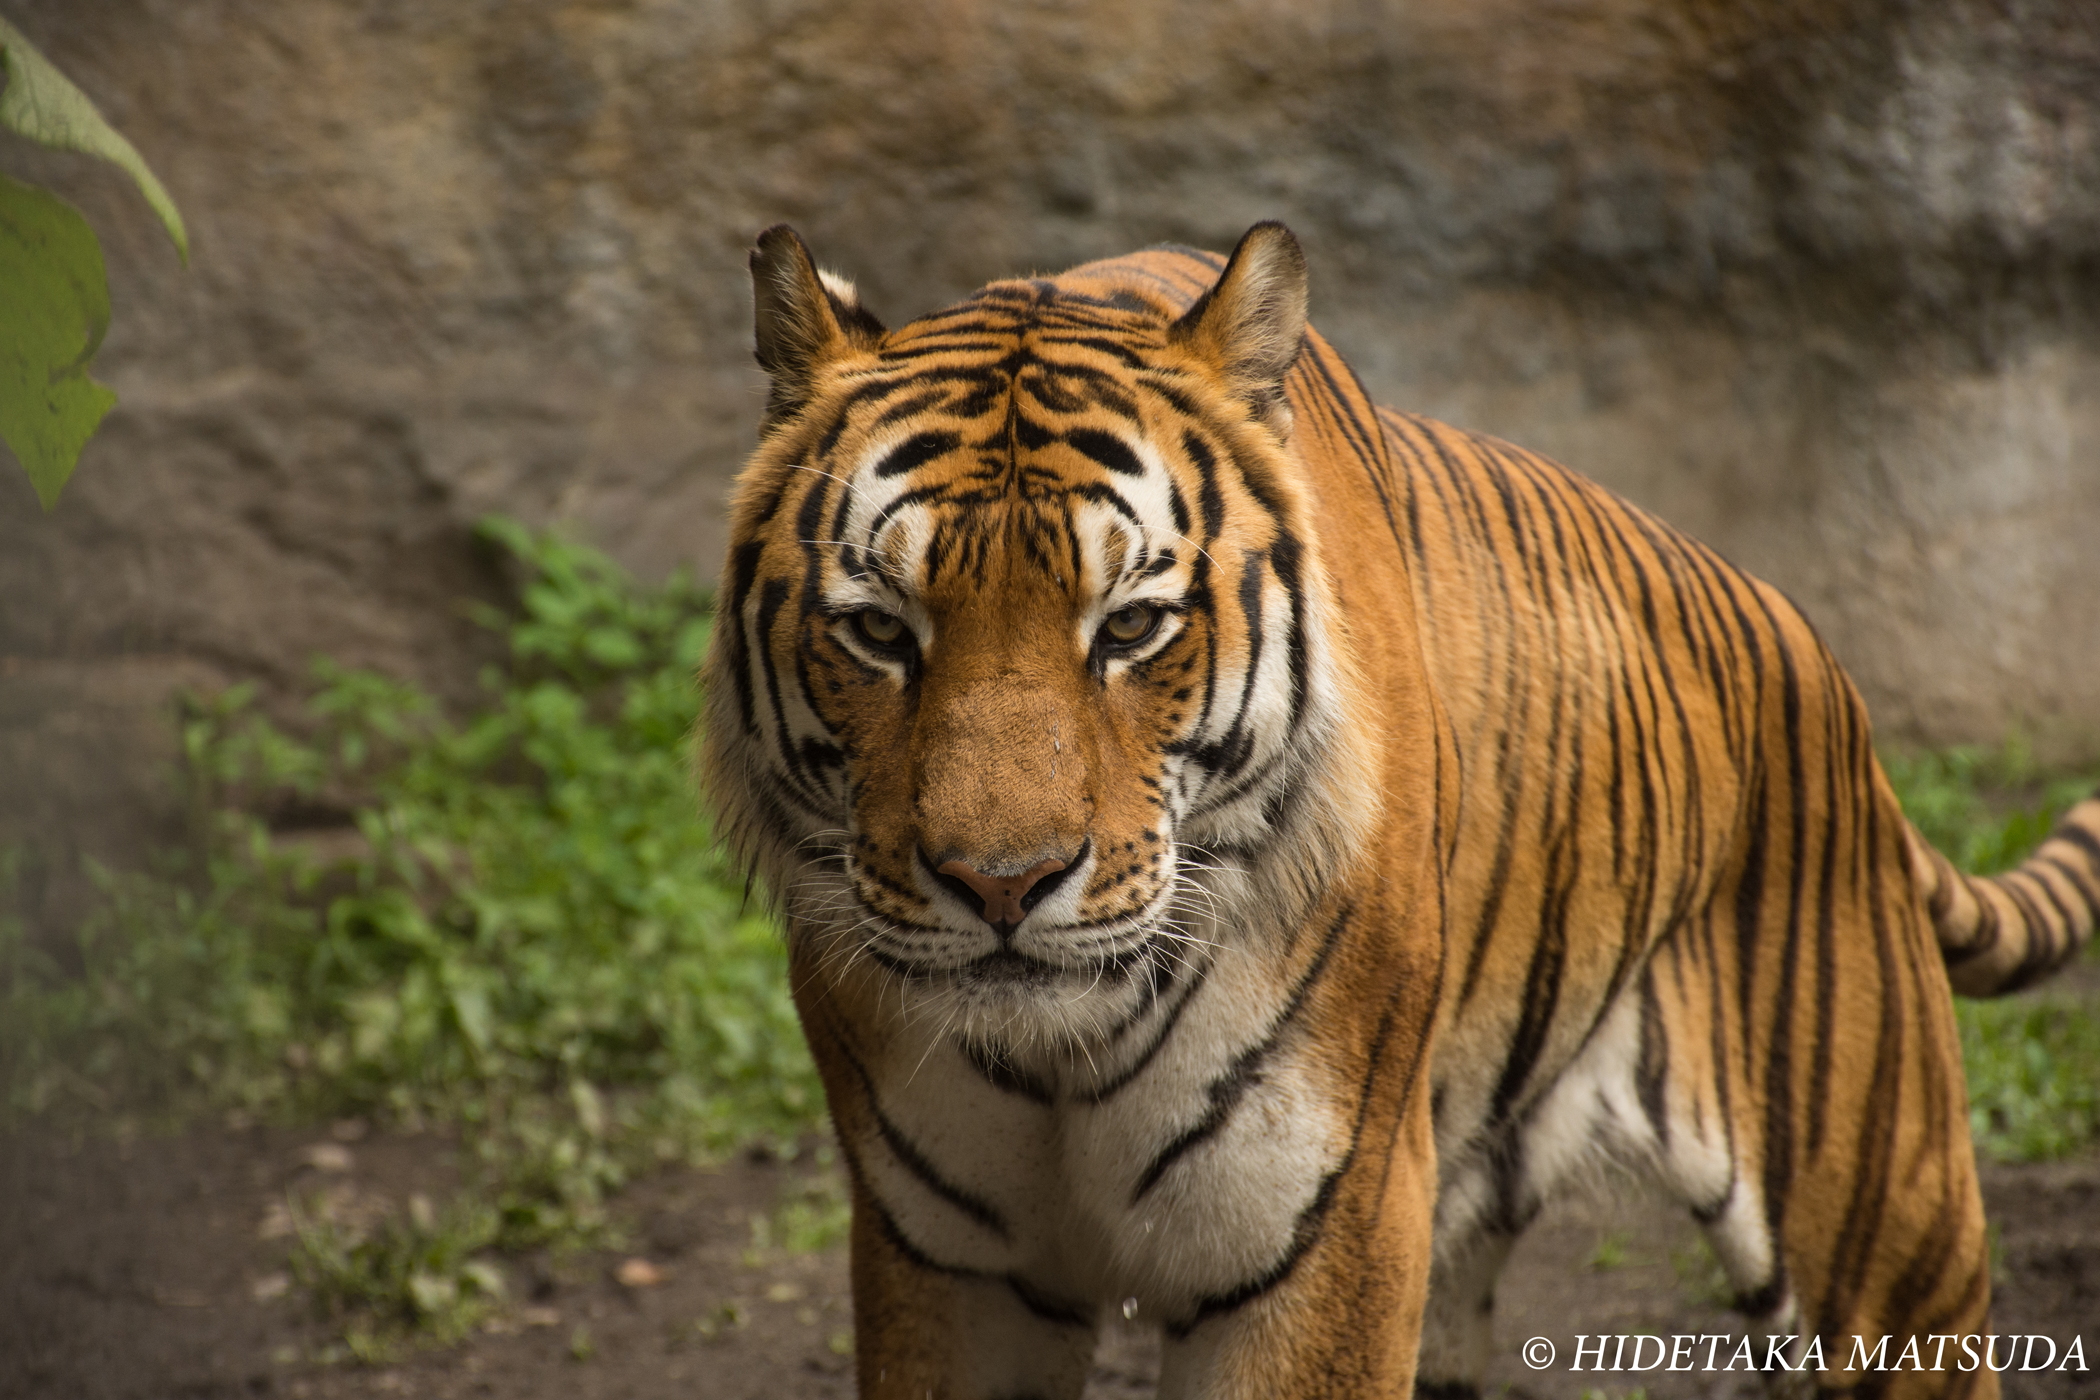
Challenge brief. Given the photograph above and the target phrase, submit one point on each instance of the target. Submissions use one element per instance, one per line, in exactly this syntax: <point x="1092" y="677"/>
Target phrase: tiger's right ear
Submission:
<point x="805" y="318"/>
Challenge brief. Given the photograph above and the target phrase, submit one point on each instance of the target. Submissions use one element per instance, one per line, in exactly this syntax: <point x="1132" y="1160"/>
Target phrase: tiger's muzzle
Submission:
<point x="1008" y="898"/>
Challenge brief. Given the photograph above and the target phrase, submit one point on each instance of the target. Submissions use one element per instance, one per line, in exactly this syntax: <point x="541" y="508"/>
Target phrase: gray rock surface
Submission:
<point x="1815" y="280"/>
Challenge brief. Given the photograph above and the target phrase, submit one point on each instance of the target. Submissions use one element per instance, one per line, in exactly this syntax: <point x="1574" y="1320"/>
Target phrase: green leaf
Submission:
<point x="54" y="309"/>
<point x="42" y="104"/>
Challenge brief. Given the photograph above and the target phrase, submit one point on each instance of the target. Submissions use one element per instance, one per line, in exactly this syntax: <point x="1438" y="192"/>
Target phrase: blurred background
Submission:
<point x="1817" y="281"/>
<point x="385" y="1025"/>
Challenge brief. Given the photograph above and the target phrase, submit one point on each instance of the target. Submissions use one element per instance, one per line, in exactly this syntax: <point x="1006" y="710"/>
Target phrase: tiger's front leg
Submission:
<point x="922" y="1332"/>
<point x="1344" y="1321"/>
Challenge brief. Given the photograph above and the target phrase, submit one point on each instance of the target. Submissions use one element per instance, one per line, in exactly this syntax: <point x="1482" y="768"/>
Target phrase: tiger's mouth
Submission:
<point x="1037" y="952"/>
<point x="936" y="922"/>
<point x="1040" y="986"/>
<point x="1005" y="968"/>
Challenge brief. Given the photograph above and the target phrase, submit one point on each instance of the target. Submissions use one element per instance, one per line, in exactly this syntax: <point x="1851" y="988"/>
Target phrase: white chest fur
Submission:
<point x="1170" y="1166"/>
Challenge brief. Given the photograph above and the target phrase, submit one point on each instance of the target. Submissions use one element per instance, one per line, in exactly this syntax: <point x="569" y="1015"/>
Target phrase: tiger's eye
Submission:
<point x="1132" y="624"/>
<point x="879" y="627"/>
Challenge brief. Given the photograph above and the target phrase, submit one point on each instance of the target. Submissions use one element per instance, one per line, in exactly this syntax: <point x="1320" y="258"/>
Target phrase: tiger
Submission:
<point x="1242" y="850"/>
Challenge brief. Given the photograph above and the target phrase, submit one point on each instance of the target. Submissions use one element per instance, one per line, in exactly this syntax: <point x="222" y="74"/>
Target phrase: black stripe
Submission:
<point x="2079" y="878"/>
<point x="1312" y="1219"/>
<point x="1361" y="437"/>
<point x="1826" y="848"/>
<point x="915" y="452"/>
<point x="1106" y="449"/>
<point x="1285" y="558"/>
<point x="1179" y="505"/>
<point x="1303" y="1237"/>
<point x="1541" y="999"/>
<point x="1180" y="402"/>
<point x="907" y="1152"/>
<point x="1227" y="1089"/>
<point x="743" y="570"/>
<point x="902" y="500"/>
<point x="915" y="1161"/>
<point x="906" y="407"/>
<point x="1115" y="348"/>
<point x="1229" y="753"/>
<point x="1853" y="1256"/>
<point x="2088" y="843"/>
<point x="1043" y="1305"/>
<point x="1101" y="493"/>
<point x="1105" y="1092"/>
<point x="1049" y="1307"/>
<point x="1004" y="1076"/>
<point x="1208" y="493"/>
<point x="1652" y="1073"/>
<point x="797" y="786"/>
<point x="1761" y="1301"/>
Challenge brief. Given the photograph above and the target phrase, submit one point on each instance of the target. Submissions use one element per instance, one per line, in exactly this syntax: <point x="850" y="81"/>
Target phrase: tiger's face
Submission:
<point x="1021" y="635"/>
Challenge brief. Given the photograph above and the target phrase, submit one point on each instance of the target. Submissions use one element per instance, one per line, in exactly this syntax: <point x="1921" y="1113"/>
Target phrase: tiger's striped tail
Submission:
<point x="2000" y="933"/>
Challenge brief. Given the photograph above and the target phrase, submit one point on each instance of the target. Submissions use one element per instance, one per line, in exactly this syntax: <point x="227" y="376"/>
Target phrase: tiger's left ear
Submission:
<point x="1252" y="320"/>
<point x="804" y="318"/>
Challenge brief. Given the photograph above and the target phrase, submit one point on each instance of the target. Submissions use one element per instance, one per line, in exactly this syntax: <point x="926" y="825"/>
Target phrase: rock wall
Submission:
<point x="1815" y="279"/>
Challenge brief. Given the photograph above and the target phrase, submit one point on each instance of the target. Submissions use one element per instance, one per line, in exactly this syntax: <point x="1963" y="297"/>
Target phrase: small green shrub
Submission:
<point x="514" y="921"/>
<point x="2034" y="1076"/>
<point x="422" y="1276"/>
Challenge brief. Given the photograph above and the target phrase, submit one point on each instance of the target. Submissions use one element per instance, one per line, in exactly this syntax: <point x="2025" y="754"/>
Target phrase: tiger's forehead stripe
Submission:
<point x="884" y="523"/>
<point x="982" y="413"/>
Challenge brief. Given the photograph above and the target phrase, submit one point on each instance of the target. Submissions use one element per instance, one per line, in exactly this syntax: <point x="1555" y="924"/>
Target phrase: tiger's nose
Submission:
<point x="1007" y="898"/>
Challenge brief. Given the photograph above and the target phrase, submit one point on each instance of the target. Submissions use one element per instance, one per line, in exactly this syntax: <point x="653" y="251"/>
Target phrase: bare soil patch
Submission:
<point x="143" y="1268"/>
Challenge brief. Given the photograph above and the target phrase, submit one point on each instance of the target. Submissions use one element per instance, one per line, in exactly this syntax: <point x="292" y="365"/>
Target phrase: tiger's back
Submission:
<point x="1683" y="932"/>
<point x="1490" y="830"/>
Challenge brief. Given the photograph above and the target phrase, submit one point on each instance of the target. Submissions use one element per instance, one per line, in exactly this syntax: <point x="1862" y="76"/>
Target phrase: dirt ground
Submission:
<point x="145" y="1269"/>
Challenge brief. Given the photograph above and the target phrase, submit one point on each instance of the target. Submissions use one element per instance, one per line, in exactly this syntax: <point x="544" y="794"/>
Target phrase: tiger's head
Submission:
<point x="1027" y="679"/>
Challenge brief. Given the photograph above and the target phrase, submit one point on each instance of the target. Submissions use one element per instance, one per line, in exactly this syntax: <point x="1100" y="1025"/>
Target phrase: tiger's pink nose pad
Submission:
<point x="1001" y="893"/>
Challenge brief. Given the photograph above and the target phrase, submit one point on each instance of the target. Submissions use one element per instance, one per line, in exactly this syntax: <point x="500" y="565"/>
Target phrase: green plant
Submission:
<point x="413" y="1276"/>
<point x="2034" y="1076"/>
<point x="724" y="1318"/>
<point x="512" y="921"/>
<point x="813" y="1214"/>
<point x="1985" y="809"/>
<point x="54" y="293"/>
<point x="402" y="914"/>
<point x="1700" y="1276"/>
<point x="1610" y="1252"/>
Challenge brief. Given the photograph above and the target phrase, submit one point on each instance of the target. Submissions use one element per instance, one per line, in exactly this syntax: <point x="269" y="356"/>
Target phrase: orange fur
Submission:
<point x="1412" y="806"/>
